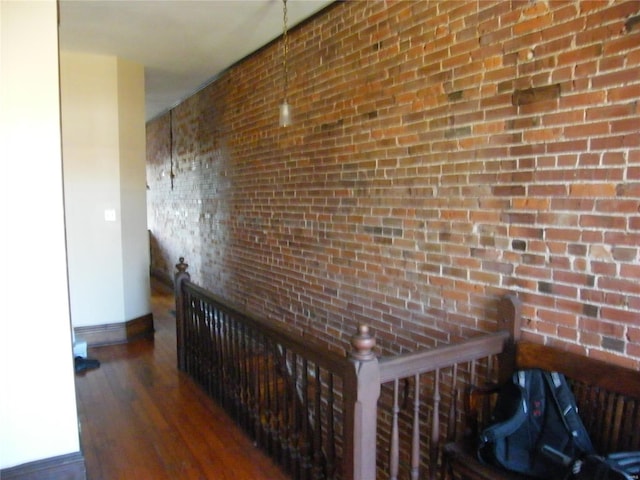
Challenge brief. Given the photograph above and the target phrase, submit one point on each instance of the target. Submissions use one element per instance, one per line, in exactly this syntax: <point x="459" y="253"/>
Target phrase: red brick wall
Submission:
<point x="443" y="153"/>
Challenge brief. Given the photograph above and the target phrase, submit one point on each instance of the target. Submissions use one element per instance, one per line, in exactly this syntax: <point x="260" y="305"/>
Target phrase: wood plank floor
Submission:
<point x="141" y="418"/>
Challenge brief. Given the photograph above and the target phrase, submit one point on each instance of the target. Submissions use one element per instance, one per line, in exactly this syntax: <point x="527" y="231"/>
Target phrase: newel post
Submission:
<point x="180" y="277"/>
<point x="509" y="311"/>
<point x="365" y="413"/>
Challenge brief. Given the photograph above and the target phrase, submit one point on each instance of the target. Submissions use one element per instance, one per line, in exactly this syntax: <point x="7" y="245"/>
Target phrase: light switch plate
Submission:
<point x="110" y="215"/>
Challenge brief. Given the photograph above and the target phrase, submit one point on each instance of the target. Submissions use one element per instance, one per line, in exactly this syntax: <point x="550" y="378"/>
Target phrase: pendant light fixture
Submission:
<point x="285" y="108"/>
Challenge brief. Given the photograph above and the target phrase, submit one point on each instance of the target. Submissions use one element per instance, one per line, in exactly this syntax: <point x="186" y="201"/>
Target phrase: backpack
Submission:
<point x="535" y="427"/>
<point x="536" y="430"/>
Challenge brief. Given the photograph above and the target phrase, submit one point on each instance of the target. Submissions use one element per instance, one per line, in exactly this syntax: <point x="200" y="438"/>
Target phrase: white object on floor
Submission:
<point x="80" y="349"/>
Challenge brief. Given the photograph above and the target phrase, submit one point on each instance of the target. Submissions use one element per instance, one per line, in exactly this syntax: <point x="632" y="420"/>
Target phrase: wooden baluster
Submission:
<point x="206" y="345"/>
<point x="318" y="474"/>
<point x="473" y="375"/>
<point x="208" y="358"/>
<point x="240" y="371"/>
<point x="267" y="394"/>
<point x="258" y="393"/>
<point x="213" y="363"/>
<point x="222" y="364"/>
<point x="361" y="409"/>
<point x="186" y="333"/>
<point x="237" y="348"/>
<point x="275" y="403"/>
<point x="304" y="450"/>
<point x="492" y="371"/>
<point x="276" y="390"/>
<point x="415" y="440"/>
<point x="284" y="427"/>
<point x="235" y="369"/>
<point x="201" y="344"/>
<point x="266" y="372"/>
<point x="453" y="406"/>
<point x="180" y="277"/>
<point x="244" y="379"/>
<point x="231" y="381"/>
<point x="266" y="403"/>
<point x="205" y="359"/>
<point x="435" y="427"/>
<point x="294" y="441"/>
<point x="231" y="367"/>
<point x="192" y="344"/>
<point x="190" y="337"/>
<point x="225" y="358"/>
<point x="486" y="406"/>
<point x="473" y="420"/>
<point x="330" y="444"/>
<point x="255" y="390"/>
<point x="218" y="353"/>
<point x="394" y="451"/>
<point x="252" y="372"/>
<point x="195" y="338"/>
<point x="229" y="385"/>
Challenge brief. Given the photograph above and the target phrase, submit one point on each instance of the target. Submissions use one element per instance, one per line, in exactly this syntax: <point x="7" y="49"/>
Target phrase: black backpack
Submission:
<point x="535" y="426"/>
<point x="536" y="430"/>
<point x="616" y="466"/>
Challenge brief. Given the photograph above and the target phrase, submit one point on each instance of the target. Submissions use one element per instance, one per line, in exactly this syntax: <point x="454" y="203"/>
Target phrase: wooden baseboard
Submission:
<point x="114" y="333"/>
<point x="63" y="467"/>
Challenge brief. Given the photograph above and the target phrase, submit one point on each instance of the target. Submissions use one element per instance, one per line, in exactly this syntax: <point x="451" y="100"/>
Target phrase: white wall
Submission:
<point x="104" y="169"/>
<point x="89" y="91"/>
<point x="133" y="190"/>
<point x="38" y="416"/>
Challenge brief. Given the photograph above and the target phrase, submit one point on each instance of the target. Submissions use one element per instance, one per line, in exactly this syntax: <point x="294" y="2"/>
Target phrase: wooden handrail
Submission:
<point x="313" y="351"/>
<point x="416" y="363"/>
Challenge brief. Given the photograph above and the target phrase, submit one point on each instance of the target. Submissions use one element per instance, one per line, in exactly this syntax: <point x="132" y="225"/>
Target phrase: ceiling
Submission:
<point x="183" y="44"/>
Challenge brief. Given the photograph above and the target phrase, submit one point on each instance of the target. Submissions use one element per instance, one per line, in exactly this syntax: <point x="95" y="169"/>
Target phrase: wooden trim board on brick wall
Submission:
<point x="67" y="467"/>
<point x="112" y="333"/>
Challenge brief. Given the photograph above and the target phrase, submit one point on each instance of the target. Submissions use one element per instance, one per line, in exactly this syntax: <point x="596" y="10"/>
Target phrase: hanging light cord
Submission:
<point x="285" y="38"/>
<point x="171" y="175"/>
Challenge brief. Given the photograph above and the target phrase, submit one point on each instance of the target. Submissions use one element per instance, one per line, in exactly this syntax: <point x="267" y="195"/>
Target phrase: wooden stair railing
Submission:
<point x="293" y="397"/>
<point x="419" y="408"/>
<point x="321" y="415"/>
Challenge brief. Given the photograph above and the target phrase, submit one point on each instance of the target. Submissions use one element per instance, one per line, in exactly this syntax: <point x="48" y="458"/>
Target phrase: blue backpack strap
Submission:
<point x="628" y="462"/>
<point x="594" y="467"/>
<point x="506" y="428"/>
<point x="564" y="400"/>
<point x="509" y="426"/>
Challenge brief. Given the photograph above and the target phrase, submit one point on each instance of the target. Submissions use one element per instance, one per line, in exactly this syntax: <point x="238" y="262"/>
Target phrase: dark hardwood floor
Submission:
<point x="143" y="419"/>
